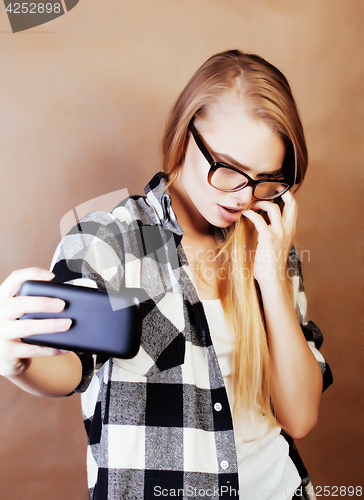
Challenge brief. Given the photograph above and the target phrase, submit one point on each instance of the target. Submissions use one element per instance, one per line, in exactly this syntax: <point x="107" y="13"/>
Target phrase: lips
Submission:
<point x="229" y="214"/>
<point x="232" y="210"/>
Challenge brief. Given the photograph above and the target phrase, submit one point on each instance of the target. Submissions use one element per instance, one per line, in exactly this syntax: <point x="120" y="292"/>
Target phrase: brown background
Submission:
<point x="83" y="101"/>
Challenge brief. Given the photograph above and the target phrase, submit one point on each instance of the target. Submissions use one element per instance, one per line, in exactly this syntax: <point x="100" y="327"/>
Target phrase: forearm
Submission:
<point x="54" y="376"/>
<point x="296" y="379"/>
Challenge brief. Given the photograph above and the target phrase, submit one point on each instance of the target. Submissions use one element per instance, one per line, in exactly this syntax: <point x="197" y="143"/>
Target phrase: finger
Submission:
<point x="20" y="350"/>
<point x="16" y="351"/>
<point x="272" y="210"/>
<point x="290" y="208"/>
<point x="15" y="356"/>
<point x="15" y="307"/>
<point x="11" y="285"/>
<point x="27" y="327"/>
<point x="258" y="221"/>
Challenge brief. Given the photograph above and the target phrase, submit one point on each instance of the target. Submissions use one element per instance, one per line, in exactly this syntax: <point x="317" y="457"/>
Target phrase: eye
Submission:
<point x="272" y="177"/>
<point x="266" y="178"/>
<point x="229" y="172"/>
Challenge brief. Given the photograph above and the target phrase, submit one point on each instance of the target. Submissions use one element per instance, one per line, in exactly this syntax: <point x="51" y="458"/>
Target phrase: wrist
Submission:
<point x="276" y="286"/>
<point x="270" y="275"/>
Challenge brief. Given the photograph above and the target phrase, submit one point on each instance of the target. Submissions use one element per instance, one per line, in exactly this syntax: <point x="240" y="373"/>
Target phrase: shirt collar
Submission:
<point x="159" y="198"/>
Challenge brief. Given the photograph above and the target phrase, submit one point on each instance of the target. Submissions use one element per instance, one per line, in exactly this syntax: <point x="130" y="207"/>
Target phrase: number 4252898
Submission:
<point x="336" y="491"/>
<point x="33" y="8"/>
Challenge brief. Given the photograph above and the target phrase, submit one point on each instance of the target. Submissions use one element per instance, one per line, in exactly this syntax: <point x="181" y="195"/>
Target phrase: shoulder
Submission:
<point x="102" y="224"/>
<point x="136" y="208"/>
<point x="99" y="240"/>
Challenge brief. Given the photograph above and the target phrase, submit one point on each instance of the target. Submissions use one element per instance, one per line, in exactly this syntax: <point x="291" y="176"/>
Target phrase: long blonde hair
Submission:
<point x="270" y="98"/>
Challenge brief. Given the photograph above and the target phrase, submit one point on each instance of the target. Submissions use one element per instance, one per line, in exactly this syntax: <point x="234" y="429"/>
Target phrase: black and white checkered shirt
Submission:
<point x="151" y="421"/>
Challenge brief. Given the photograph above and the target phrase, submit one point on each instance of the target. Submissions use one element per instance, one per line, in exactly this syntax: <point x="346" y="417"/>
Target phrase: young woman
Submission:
<point x="228" y="371"/>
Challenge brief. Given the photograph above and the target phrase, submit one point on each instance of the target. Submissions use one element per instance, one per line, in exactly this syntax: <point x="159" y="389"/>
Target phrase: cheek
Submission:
<point x="200" y="189"/>
<point x="194" y="173"/>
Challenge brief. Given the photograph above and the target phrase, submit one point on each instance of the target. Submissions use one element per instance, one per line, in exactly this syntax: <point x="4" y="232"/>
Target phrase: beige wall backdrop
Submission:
<point x="83" y="101"/>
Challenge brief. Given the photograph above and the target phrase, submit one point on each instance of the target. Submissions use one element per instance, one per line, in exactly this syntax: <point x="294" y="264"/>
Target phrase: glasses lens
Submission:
<point x="227" y="179"/>
<point x="269" y="190"/>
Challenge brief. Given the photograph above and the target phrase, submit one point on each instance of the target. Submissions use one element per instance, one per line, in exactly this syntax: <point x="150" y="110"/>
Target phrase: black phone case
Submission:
<point x="102" y="322"/>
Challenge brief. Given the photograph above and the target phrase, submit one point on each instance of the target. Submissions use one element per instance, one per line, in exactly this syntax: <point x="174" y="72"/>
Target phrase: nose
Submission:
<point x="244" y="198"/>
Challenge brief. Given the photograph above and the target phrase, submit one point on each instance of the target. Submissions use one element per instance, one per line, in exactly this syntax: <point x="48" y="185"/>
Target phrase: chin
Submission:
<point x="223" y="226"/>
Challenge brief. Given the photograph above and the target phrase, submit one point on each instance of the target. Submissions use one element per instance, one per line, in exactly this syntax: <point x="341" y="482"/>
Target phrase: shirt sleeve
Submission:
<point x="91" y="254"/>
<point x="311" y="332"/>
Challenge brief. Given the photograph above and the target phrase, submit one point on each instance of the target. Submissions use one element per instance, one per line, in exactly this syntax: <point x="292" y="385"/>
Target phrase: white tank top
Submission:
<point x="265" y="469"/>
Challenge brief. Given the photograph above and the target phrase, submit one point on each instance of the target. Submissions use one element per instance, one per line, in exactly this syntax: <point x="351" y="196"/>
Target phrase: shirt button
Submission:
<point x="224" y="464"/>
<point x="218" y="406"/>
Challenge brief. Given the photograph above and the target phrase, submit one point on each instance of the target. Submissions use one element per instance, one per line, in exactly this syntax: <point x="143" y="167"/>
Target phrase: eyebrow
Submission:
<point x="207" y="152"/>
<point x="244" y="168"/>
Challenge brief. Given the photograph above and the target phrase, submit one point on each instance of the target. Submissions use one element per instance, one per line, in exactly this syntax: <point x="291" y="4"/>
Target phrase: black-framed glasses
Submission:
<point x="225" y="177"/>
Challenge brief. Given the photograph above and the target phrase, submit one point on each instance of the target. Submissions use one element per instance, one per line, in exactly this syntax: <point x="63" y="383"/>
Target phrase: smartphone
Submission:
<point x="102" y="322"/>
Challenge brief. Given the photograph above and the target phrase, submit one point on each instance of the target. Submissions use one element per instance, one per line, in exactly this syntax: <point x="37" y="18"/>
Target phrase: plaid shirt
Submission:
<point x="153" y="424"/>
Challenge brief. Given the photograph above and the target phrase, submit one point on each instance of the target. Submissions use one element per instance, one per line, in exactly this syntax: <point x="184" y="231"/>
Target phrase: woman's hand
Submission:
<point x="274" y="239"/>
<point x="15" y="356"/>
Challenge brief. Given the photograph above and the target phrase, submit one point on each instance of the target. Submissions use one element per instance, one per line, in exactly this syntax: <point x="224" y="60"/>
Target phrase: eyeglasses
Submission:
<point x="225" y="177"/>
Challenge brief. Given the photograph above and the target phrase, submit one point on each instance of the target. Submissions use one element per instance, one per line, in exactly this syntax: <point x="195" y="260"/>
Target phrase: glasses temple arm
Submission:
<point x="201" y="145"/>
